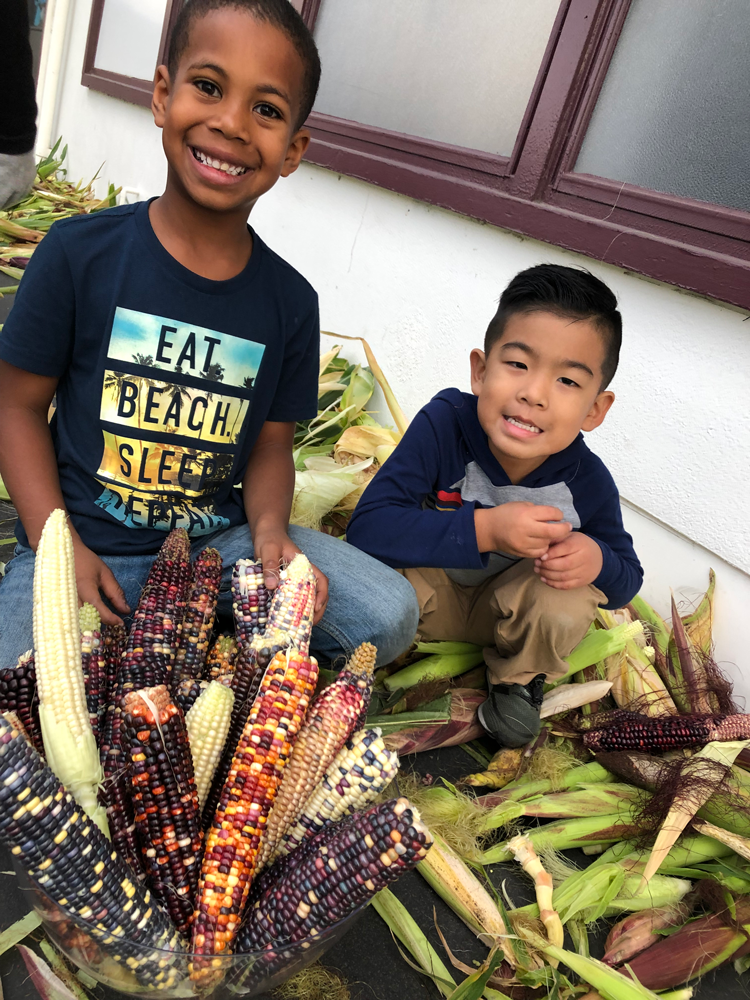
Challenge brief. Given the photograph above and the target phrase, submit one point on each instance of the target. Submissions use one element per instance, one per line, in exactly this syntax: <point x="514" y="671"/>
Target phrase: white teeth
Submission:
<point x="523" y="426"/>
<point x="219" y="164"/>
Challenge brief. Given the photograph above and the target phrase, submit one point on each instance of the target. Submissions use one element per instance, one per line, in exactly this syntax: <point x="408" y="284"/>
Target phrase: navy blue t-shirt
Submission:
<point x="166" y="377"/>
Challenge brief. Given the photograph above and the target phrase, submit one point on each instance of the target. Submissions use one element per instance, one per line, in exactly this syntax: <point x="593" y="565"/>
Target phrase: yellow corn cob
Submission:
<point x="69" y="743"/>
<point x="207" y="725"/>
<point x="233" y="842"/>
<point x="333" y="717"/>
<point x="290" y="615"/>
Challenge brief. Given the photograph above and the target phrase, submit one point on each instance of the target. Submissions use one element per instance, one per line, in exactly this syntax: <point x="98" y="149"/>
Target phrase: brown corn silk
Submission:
<point x="234" y="840"/>
<point x="165" y="798"/>
<point x="334" y="715"/>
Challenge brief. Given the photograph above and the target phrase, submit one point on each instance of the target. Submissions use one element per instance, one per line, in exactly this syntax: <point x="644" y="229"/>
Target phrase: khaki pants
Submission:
<point x="527" y="627"/>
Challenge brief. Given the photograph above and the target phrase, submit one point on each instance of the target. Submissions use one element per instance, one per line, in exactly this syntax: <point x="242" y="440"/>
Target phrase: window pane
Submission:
<point x="129" y="37"/>
<point x="459" y="71"/>
<point x="673" y="114"/>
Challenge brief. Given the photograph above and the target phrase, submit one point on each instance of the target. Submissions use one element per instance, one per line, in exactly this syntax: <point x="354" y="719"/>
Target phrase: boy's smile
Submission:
<point x="229" y="116"/>
<point x="539" y="386"/>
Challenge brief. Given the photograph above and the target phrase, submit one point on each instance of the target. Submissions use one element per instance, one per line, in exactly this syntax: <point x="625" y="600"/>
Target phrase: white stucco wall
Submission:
<point x="421" y="284"/>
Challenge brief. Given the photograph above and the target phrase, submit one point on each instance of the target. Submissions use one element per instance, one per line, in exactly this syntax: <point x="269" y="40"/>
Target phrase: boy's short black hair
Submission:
<point x="280" y="13"/>
<point x="565" y="291"/>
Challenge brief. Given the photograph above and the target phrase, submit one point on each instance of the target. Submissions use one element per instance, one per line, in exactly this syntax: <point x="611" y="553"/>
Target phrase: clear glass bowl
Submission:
<point x="230" y="976"/>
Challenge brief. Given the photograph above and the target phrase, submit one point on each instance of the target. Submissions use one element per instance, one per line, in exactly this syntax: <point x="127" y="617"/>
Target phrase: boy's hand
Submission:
<point x="94" y="578"/>
<point x="574" y="562"/>
<point x="272" y="550"/>
<point x="520" y="528"/>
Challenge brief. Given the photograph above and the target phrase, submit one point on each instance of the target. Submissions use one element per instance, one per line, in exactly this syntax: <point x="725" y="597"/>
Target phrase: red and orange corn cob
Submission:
<point x="220" y="661"/>
<point x="250" y="599"/>
<point x="333" y="717"/>
<point x="334" y="873"/>
<point x="167" y="818"/>
<point x="290" y="615"/>
<point x="94" y="665"/>
<point x="18" y="694"/>
<point x="198" y="622"/>
<point x="233" y="842"/>
<point x="630" y="731"/>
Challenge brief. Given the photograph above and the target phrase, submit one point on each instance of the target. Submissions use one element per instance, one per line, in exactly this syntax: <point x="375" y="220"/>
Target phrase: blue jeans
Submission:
<point x="368" y="601"/>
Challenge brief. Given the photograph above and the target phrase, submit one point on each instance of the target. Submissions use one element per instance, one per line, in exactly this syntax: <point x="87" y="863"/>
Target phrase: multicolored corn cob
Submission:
<point x="198" y="622"/>
<point x="233" y="842"/>
<point x="208" y="726"/>
<point x="188" y="693"/>
<point x="333" y="717"/>
<point x="114" y="641"/>
<point x="220" y="661"/>
<point x="69" y="744"/>
<point x="93" y="664"/>
<point x="290" y="615"/>
<point x="18" y="694"/>
<point x="145" y="662"/>
<point x="70" y="859"/>
<point x="167" y="818"/>
<point x="631" y="731"/>
<point x="250" y="599"/>
<point x="338" y="871"/>
<point x="359" y="773"/>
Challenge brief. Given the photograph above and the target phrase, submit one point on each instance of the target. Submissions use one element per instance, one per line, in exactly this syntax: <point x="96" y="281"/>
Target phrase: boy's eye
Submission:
<point x="267" y="110"/>
<point x="568" y="381"/>
<point x="208" y="87"/>
<point x="517" y="364"/>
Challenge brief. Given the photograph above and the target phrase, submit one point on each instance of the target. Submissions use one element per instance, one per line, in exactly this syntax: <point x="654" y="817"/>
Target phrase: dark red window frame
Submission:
<point x="695" y="245"/>
<point x="127" y="88"/>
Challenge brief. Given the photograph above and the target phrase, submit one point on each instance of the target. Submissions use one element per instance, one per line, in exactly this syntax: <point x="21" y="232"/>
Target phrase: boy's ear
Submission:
<point x="297" y="146"/>
<point x="598" y="411"/>
<point x="478" y="363"/>
<point x="160" y="95"/>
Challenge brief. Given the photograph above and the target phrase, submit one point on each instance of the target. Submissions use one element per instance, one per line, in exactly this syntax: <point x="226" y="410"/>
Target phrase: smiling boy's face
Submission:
<point x="229" y="116"/>
<point x="538" y="387"/>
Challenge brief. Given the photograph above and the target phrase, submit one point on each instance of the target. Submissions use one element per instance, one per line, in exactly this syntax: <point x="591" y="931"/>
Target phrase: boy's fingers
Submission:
<point x="113" y="591"/>
<point x="88" y="593"/>
<point x="271" y="561"/>
<point x="321" y="594"/>
<point x="542" y="513"/>
<point x="556" y="531"/>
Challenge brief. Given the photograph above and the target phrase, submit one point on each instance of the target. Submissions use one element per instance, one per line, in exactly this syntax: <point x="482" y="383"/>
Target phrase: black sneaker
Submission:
<point x="511" y="713"/>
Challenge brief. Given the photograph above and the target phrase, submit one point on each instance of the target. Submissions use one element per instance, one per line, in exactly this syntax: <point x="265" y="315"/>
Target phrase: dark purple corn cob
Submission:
<point x="630" y="731"/>
<point x="167" y="818"/>
<point x="94" y="666"/>
<point x="63" y="852"/>
<point x="114" y="641"/>
<point x="250" y="599"/>
<point x="198" y="621"/>
<point x="18" y="694"/>
<point x="333" y="874"/>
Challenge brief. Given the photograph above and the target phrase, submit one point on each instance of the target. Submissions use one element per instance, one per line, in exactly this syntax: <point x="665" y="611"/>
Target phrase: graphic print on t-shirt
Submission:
<point x="170" y="444"/>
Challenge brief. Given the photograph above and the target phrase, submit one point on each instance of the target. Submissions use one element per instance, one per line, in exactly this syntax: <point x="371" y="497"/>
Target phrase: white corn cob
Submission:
<point x="207" y="725"/>
<point x="358" y="774"/>
<point x="69" y="742"/>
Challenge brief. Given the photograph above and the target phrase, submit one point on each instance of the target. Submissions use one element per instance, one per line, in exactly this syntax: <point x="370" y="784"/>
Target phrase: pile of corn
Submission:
<point x="642" y="762"/>
<point x="178" y="796"/>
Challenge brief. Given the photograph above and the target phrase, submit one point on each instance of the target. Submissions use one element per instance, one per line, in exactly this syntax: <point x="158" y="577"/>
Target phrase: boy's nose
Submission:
<point x="534" y="393"/>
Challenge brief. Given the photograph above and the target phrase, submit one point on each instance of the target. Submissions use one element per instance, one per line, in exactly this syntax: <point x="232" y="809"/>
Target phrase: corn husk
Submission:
<point x="365" y="442"/>
<point x="435" y="667"/>
<point x="321" y="487"/>
<point x="569" y="696"/>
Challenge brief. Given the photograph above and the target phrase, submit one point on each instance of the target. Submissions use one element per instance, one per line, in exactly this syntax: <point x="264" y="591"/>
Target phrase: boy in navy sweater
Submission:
<point x="505" y="523"/>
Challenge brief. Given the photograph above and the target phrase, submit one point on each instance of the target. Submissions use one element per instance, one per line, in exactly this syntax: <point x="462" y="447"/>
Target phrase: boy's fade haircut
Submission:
<point x="280" y="13"/>
<point x="571" y="292"/>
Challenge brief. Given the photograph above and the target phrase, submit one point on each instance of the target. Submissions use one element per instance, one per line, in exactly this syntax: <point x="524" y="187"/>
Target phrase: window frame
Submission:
<point x="694" y="245"/>
<point x="126" y="88"/>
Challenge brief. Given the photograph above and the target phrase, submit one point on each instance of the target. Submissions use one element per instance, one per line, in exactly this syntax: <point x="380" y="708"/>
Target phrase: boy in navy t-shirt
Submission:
<point x="182" y="351"/>
<point x="510" y="528"/>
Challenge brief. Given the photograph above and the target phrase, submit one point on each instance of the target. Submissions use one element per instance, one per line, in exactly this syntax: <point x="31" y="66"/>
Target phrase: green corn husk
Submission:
<point x="612" y="985"/>
<point x="598" y="800"/>
<point x="598" y="644"/>
<point x="572" y="833"/>
<point x="403" y="926"/>
<point x="575" y="777"/>
<point x="690" y="851"/>
<point x="435" y="667"/>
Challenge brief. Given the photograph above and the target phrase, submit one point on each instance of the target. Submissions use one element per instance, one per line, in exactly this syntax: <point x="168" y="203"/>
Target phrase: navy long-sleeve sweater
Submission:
<point x="419" y="508"/>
